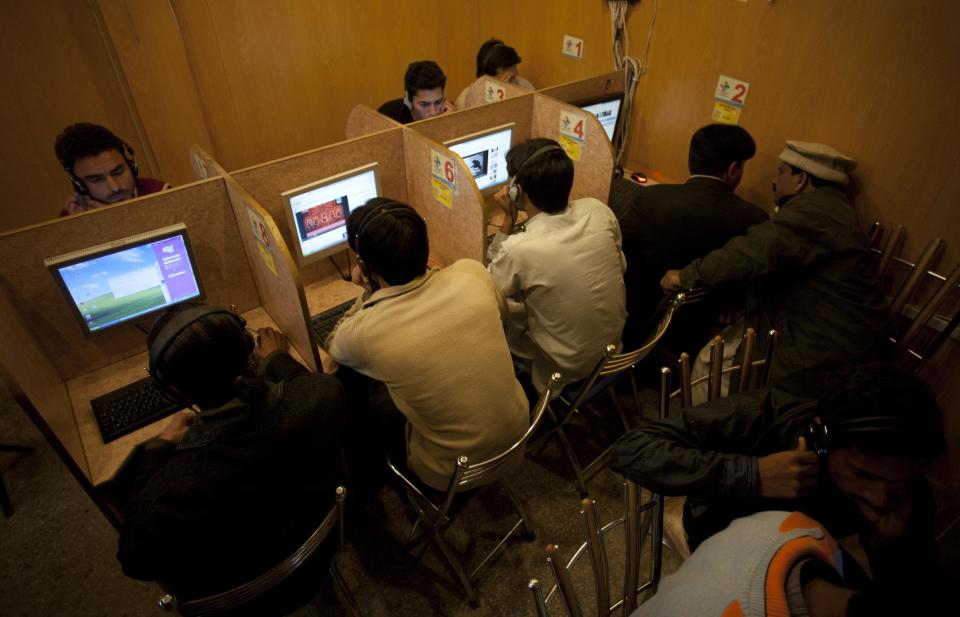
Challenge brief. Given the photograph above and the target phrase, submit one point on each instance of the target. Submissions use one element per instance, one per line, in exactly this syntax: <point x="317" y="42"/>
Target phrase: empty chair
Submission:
<point x="250" y="591"/>
<point x="435" y="515"/>
<point x="638" y="517"/>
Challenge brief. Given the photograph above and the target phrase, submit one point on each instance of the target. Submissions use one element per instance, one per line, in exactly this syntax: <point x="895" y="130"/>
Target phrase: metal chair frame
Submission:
<point x="610" y="369"/>
<point x="233" y="598"/>
<point x="637" y="518"/>
<point x="466" y="476"/>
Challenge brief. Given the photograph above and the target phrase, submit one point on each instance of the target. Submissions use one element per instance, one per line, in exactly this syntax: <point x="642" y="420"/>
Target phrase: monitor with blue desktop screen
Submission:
<point x="110" y="284"/>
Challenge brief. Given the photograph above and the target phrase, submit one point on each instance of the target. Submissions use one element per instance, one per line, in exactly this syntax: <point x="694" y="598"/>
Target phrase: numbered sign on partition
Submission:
<point x="493" y="92"/>
<point x="573" y="133"/>
<point x="262" y="234"/>
<point x="728" y="99"/>
<point x="572" y="46"/>
<point x="443" y="178"/>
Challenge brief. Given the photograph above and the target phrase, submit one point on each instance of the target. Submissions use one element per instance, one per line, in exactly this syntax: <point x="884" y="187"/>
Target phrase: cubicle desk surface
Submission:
<point x="103" y="459"/>
<point x="327" y="293"/>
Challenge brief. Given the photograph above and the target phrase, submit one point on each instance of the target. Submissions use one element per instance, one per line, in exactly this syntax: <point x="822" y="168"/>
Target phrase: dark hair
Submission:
<point x="817" y="182"/>
<point x="423" y="75"/>
<point x="548" y="179"/>
<point x="715" y="146"/>
<point x="395" y="245"/>
<point x="205" y="360"/>
<point x="883" y="390"/>
<point x="494" y="55"/>
<point x="85" y="139"/>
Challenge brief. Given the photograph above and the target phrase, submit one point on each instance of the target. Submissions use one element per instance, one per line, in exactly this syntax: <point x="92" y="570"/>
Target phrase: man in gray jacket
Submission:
<point x="810" y="272"/>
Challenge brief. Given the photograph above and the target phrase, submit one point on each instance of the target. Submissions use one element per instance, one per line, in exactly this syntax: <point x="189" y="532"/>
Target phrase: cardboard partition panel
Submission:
<point x="221" y="263"/>
<point x="266" y="182"/>
<point x="588" y="88"/>
<point x="31" y="376"/>
<point x="485" y="90"/>
<point x="594" y="168"/>
<point x="202" y="163"/>
<point x="455" y="231"/>
<point x="363" y="121"/>
<point x="276" y="276"/>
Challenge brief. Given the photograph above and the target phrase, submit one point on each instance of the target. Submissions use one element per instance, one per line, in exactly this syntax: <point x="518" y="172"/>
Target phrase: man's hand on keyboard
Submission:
<point x="177" y="426"/>
<point x="269" y="341"/>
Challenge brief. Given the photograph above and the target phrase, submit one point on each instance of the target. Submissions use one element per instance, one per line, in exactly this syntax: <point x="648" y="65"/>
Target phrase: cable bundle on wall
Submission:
<point x="632" y="67"/>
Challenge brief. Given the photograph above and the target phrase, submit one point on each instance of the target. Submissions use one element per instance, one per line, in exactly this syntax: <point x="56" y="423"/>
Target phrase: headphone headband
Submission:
<point x="381" y="209"/>
<point x="175" y="327"/>
<point x="514" y="189"/>
<point x="489" y="55"/>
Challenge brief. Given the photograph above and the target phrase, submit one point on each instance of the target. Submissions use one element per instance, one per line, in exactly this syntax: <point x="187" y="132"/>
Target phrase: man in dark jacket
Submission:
<point x="810" y="272"/>
<point x="670" y="225"/>
<point x="852" y="461"/>
<point x="223" y="495"/>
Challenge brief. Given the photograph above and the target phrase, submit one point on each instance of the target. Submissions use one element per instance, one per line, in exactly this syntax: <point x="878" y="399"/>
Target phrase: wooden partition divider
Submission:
<point x="36" y="384"/>
<point x="594" y="170"/>
<point x="445" y="127"/>
<point x="583" y="89"/>
<point x="204" y="166"/>
<point x="274" y="272"/>
<point x="486" y="90"/>
<point x="267" y="181"/>
<point x="364" y="121"/>
<point x="456" y="232"/>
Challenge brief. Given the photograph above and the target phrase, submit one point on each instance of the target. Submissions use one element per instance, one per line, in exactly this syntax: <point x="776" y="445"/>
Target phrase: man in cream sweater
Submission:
<point x="435" y="340"/>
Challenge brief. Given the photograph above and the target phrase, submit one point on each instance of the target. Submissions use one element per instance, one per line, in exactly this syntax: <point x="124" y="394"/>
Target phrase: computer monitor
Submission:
<point x="317" y="212"/>
<point x="485" y="154"/>
<point x="109" y="284"/>
<point x="607" y="110"/>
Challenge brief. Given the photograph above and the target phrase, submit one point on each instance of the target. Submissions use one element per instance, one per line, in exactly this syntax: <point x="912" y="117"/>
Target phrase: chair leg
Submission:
<point x="457" y="568"/>
<point x="577" y="470"/>
<point x="528" y="534"/>
<point x="346" y="595"/>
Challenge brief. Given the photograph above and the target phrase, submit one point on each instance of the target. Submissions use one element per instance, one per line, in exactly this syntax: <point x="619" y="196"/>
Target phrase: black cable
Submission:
<point x="339" y="271"/>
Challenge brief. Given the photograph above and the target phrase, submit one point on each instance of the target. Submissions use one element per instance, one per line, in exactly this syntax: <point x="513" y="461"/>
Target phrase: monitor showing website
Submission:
<point x="485" y="154"/>
<point x="607" y="111"/>
<point x="317" y="213"/>
<point x="110" y="284"/>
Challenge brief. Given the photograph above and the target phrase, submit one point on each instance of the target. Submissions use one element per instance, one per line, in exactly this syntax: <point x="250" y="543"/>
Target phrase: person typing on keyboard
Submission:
<point x="222" y="495"/>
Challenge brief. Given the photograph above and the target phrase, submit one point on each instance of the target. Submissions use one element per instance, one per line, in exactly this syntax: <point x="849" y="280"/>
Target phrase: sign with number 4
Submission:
<point x="573" y="133"/>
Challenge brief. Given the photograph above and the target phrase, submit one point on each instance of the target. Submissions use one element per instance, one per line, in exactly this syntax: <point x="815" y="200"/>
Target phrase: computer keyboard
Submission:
<point x="323" y="323"/>
<point x="128" y="408"/>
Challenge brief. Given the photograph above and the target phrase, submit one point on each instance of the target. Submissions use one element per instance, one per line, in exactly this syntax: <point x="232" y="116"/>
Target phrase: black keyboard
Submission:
<point x="324" y="322"/>
<point x="128" y="408"/>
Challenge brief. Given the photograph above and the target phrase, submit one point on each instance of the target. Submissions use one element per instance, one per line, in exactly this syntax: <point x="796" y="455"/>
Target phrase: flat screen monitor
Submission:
<point x="485" y="155"/>
<point x="113" y="283"/>
<point x="317" y="212"/>
<point x="606" y="109"/>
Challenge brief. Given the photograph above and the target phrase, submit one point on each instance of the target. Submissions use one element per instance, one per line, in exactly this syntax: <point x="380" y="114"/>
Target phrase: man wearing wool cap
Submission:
<point x="809" y="269"/>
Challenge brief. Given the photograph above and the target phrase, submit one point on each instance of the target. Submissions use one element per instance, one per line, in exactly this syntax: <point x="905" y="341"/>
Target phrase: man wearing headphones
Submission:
<point x="225" y="493"/>
<point x="101" y="167"/>
<point x="562" y="275"/>
<point x="433" y="339"/>
<point x="423" y="87"/>
<point x="498" y="60"/>
<point x="852" y="461"/>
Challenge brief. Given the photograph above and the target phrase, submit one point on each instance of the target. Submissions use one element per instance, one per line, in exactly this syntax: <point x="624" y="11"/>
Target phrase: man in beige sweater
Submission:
<point x="434" y="338"/>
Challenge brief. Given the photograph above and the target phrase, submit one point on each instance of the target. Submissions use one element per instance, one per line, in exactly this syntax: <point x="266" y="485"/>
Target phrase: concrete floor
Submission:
<point x="57" y="551"/>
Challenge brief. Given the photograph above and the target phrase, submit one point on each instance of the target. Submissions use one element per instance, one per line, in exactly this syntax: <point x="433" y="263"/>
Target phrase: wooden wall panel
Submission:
<point x="148" y="44"/>
<point x="874" y="79"/>
<point x="57" y="71"/>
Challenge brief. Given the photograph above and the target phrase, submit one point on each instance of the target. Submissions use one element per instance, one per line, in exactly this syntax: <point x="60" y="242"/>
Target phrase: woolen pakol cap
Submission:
<point x="818" y="160"/>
